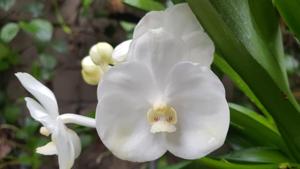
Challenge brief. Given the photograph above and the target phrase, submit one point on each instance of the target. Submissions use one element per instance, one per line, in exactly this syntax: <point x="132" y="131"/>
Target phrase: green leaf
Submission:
<point x="35" y="8"/>
<point x="289" y="10"/>
<point x="86" y="5"/>
<point x="178" y="1"/>
<point x="223" y="66"/>
<point x="255" y="127"/>
<point x="41" y="29"/>
<point x="86" y="140"/>
<point x="33" y="160"/>
<point x="5" y="51"/>
<point x="146" y="5"/>
<point x="176" y="166"/>
<point x="11" y="113"/>
<point x="257" y="155"/>
<point x="47" y="61"/>
<point x="7" y="4"/>
<point x="128" y="27"/>
<point x="9" y="31"/>
<point x="237" y="15"/>
<point x="255" y="55"/>
<point x="222" y="164"/>
<point x="31" y="126"/>
<point x="239" y="141"/>
<point x="60" y="46"/>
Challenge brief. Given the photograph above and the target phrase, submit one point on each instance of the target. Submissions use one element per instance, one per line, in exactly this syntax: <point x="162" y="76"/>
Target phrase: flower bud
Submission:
<point x="88" y="65"/>
<point x="101" y="53"/>
<point x="119" y="54"/>
<point x="91" y="79"/>
<point x="90" y="72"/>
<point x="44" y="131"/>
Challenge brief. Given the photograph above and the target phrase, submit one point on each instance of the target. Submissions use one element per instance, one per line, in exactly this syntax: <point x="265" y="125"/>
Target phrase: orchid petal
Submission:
<point x="152" y="20"/>
<point x="48" y="149"/>
<point x="159" y="50"/>
<point x="75" y="140"/>
<point x="119" y="54"/>
<point x="200" y="48"/>
<point x="64" y="145"/>
<point x="198" y="97"/>
<point x="40" y="92"/>
<point x="40" y="114"/>
<point x="124" y="97"/>
<point x="180" y="22"/>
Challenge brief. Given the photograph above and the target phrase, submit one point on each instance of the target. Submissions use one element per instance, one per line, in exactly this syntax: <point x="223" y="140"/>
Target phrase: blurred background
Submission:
<point x="48" y="39"/>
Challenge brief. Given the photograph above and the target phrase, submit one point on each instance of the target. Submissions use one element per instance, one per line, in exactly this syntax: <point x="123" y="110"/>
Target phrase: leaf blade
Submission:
<point x="274" y="96"/>
<point x="289" y="10"/>
<point x="9" y="31"/>
<point x="146" y="5"/>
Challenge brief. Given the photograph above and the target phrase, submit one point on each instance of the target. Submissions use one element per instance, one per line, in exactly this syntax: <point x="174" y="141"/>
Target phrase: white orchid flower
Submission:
<point x="65" y="142"/>
<point x="165" y="97"/>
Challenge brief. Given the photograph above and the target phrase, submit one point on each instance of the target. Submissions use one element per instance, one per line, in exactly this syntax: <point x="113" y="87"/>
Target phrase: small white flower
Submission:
<point x="65" y="142"/>
<point x="165" y="97"/>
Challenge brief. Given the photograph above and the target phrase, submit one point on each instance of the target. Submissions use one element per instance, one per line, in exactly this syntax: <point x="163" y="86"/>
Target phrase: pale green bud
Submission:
<point x="101" y="53"/>
<point x="90" y="72"/>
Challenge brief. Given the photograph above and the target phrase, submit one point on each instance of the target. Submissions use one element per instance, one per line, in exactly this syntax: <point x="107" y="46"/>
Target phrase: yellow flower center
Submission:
<point x="162" y="118"/>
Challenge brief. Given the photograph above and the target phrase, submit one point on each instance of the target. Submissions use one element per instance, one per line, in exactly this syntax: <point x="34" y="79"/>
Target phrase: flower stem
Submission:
<point x="78" y="119"/>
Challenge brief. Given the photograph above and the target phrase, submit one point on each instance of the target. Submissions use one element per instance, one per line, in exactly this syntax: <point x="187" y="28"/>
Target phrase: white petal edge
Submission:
<point x="180" y="20"/>
<point x="152" y="20"/>
<point x="48" y="149"/>
<point x="75" y="140"/>
<point x="120" y="52"/>
<point x="198" y="96"/>
<point x="44" y="95"/>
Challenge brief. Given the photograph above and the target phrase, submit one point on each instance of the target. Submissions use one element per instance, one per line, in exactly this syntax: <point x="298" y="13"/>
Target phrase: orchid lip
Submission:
<point x="162" y="118"/>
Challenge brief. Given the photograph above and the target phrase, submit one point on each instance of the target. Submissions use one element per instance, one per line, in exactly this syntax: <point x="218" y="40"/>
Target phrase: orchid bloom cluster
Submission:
<point x="156" y="94"/>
